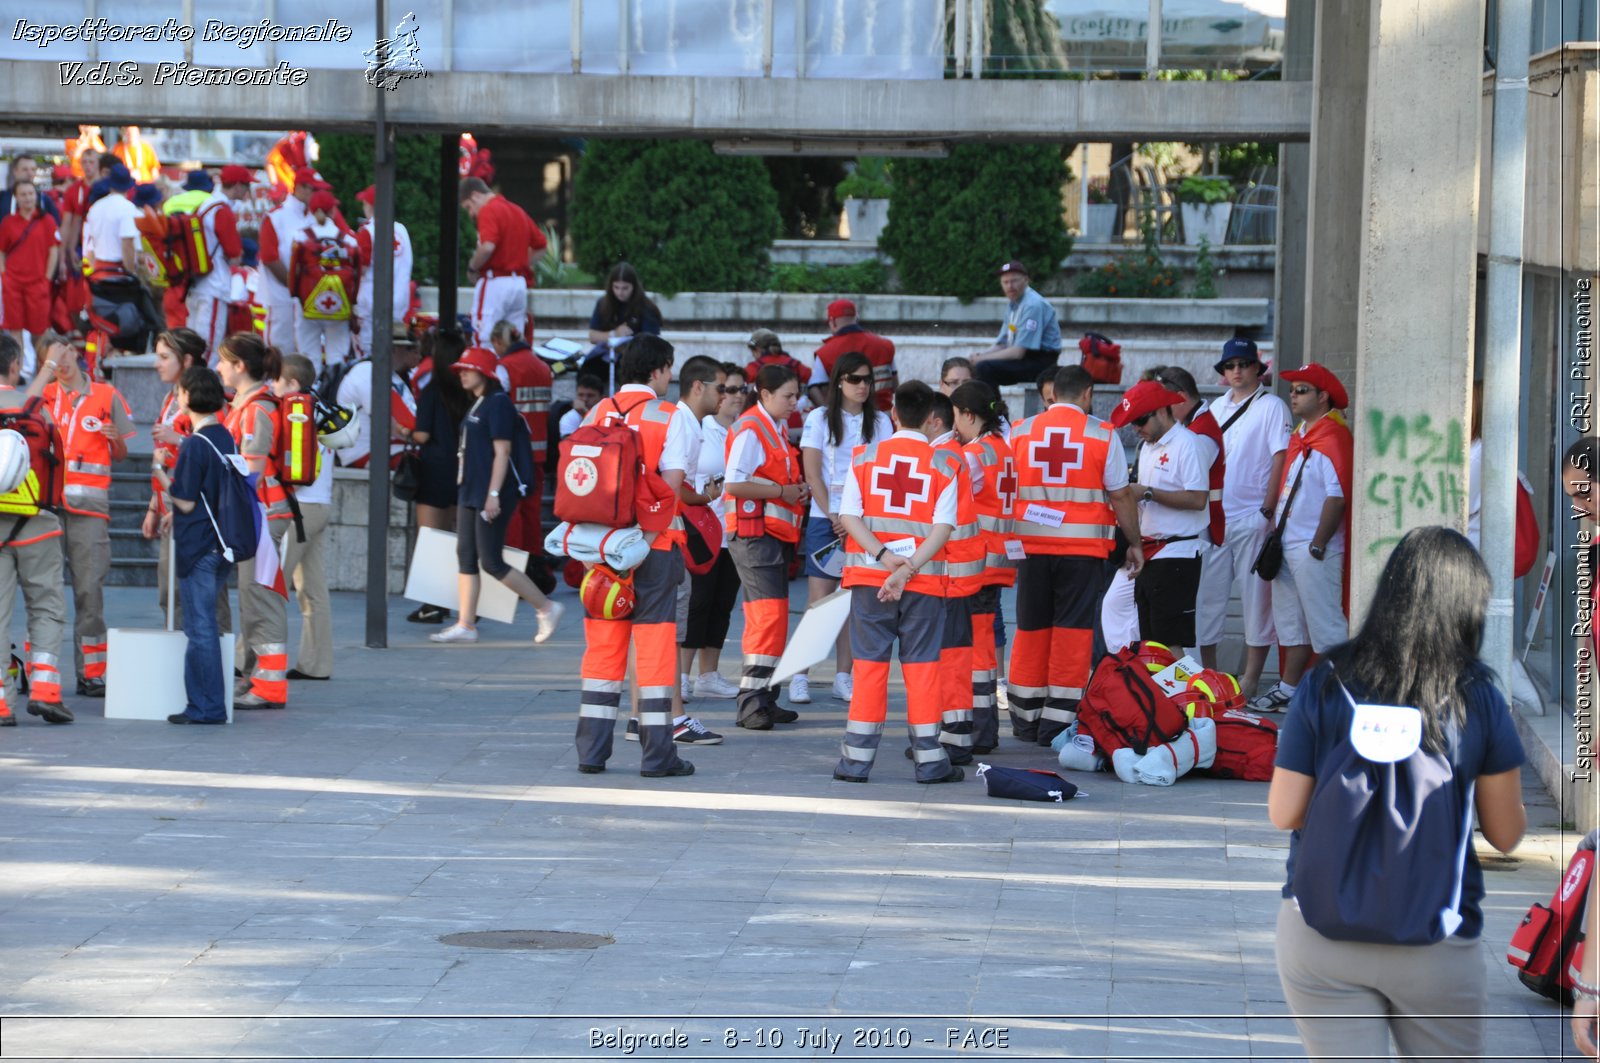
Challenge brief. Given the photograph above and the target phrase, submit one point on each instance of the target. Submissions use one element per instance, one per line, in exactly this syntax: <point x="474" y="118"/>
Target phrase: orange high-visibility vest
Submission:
<point x="530" y="393"/>
<point x="900" y="482"/>
<point x="994" y="501"/>
<point x="963" y="555"/>
<point x="240" y="423"/>
<point x="1061" y="505"/>
<point x="778" y="466"/>
<point x="80" y="416"/>
<point x="650" y="419"/>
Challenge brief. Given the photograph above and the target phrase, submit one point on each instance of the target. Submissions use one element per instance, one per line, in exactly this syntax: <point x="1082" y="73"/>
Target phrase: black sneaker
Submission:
<point x="52" y="711"/>
<point x="683" y="767"/>
<point x="691" y="732"/>
<point x="632" y="733"/>
<point x="956" y="775"/>
<point x="757" y="721"/>
<point x="183" y="717"/>
<point x="591" y="769"/>
<point x="427" y="614"/>
<point x="981" y="750"/>
<point x="92" y="688"/>
<point x="840" y="776"/>
<point x="780" y="714"/>
<point x="8" y="720"/>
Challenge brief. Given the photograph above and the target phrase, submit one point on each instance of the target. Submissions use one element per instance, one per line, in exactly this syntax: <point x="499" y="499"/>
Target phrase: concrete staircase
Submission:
<point x="133" y="557"/>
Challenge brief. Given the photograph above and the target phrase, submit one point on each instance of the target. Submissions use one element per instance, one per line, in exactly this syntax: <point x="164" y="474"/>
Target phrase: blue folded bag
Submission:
<point x="1026" y="784"/>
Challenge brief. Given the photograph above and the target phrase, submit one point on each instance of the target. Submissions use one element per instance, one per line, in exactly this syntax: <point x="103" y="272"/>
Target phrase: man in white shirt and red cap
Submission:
<point x="209" y="294"/>
<point x="365" y="311"/>
<point x="1174" y="495"/>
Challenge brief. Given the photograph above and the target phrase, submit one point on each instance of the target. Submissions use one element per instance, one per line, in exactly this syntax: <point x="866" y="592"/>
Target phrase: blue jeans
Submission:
<point x="202" y="661"/>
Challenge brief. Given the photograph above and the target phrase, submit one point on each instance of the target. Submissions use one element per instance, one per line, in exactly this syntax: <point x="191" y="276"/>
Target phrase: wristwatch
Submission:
<point x="494" y="494"/>
<point x="1317" y="552"/>
<point x="1149" y="494"/>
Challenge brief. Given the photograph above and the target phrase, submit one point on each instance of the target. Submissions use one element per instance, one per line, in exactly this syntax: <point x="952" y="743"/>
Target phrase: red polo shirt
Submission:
<point x="507" y="226"/>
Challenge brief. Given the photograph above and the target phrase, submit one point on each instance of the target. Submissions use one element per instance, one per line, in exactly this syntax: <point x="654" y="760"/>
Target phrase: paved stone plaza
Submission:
<point x="279" y="888"/>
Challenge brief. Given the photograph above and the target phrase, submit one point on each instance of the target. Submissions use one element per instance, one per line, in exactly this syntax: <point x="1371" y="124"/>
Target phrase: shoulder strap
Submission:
<point x="1239" y="412"/>
<point x="1294" y="489"/>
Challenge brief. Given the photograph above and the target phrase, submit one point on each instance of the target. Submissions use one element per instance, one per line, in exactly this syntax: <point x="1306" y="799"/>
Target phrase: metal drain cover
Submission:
<point x="527" y="939"/>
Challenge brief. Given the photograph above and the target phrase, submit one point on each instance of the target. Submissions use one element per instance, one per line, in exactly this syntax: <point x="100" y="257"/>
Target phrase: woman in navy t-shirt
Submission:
<point x="1419" y="647"/>
<point x="491" y="478"/>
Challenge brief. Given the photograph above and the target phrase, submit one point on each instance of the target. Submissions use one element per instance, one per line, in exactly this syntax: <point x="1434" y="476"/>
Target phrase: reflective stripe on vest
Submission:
<point x="1060" y="457"/>
<point x="900" y="484"/>
<point x="86" y="481"/>
<point x="777" y="468"/>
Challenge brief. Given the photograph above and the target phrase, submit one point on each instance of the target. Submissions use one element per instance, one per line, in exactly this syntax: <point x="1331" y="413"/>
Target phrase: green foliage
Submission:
<point x="687" y="218"/>
<point x="861" y="278"/>
<point x="1141" y="274"/>
<point x="952" y="221"/>
<point x="1024" y="40"/>
<point x="1205" y="272"/>
<point x="1239" y="161"/>
<point x="346" y="160"/>
<point x="1205" y="190"/>
<point x="555" y="272"/>
<point x="871" y="179"/>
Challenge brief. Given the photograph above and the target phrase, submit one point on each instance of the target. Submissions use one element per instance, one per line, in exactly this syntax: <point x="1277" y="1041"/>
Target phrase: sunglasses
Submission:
<point x="856" y="378"/>
<point x="1140" y="422"/>
<point x="1229" y="367"/>
<point x="730" y="389"/>
<point x="1302" y="389"/>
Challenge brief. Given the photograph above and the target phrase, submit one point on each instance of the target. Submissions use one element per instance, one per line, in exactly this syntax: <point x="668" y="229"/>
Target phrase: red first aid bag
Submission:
<point x="1247" y="745"/>
<point x="1544" y="946"/>
<point x="1102" y="359"/>
<point x="1124" y="707"/>
<point x="297" y="457"/>
<point x="597" y="476"/>
<point x="1526" y="550"/>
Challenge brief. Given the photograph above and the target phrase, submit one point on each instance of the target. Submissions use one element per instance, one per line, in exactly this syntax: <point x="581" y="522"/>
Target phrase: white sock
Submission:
<point x="1288" y="688"/>
<point x="679" y="719"/>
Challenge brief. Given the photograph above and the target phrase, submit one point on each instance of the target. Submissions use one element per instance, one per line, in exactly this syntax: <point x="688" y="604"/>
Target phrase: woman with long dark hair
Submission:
<point x="488" y="477"/>
<point x="1401" y="960"/>
<point x="980" y="424"/>
<point x="441" y="407"/>
<point x="176" y="351"/>
<point x="767" y="495"/>
<point x="829" y="436"/>
<point x="624" y="309"/>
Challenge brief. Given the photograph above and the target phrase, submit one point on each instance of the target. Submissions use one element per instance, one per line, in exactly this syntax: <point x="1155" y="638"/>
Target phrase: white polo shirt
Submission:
<point x="675" y="452"/>
<point x="691" y="444"/>
<point x="1251" y="442"/>
<point x="944" y="507"/>
<point x="1319" y="484"/>
<point x="836" y="457"/>
<point x="745" y="453"/>
<point x="1178" y="461"/>
<point x="111" y="220"/>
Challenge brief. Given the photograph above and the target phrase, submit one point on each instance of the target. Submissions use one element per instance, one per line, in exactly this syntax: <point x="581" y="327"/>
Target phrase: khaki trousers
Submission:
<point x="262" y="650"/>
<point x="36" y="567"/>
<point x="88" y="543"/>
<point x="303" y="562"/>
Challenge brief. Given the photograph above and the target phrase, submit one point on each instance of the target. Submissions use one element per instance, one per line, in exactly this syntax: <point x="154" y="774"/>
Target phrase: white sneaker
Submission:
<point x="548" y="618"/>
<point x="1002" y="696"/>
<point x="844" y="686"/>
<point x="712" y="685"/>
<point x="455" y="633"/>
<point x="685" y="688"/>
<point x="800" y="690"/>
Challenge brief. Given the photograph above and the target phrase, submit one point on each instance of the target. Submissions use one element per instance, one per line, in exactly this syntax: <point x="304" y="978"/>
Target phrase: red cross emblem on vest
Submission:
<point x="1005" y="485"/>
<point x="900" y="485"/>
<point x="1056" y="454"/>
<point x="1162" y="461"/>
<point x="329" y="303"/>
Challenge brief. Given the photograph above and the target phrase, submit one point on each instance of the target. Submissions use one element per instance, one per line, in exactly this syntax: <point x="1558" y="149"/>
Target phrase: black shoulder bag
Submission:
<point x="1270" y="560"/>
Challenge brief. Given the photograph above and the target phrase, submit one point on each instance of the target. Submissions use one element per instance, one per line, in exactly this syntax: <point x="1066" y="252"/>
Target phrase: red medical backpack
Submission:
<point x="1247" y="744"/>
<point x="1544" y="947"/>
<point x="597" y="476"/>
<point x="1125" y="708"/>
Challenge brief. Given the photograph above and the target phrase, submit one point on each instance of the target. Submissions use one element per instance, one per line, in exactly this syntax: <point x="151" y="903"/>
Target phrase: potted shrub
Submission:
<point x="865" y="194"/>
<point x="1206" y="204"/>
<point x="1100" y="217"/>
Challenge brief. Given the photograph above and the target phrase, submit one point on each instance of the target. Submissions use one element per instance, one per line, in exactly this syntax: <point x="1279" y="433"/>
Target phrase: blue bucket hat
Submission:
<point x="120" y="179"/>
<point x="1239" y="347"/>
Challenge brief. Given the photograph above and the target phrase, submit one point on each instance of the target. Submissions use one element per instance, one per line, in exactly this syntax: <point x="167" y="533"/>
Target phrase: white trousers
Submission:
<point x="282" y="316"/>
<point x="1307" y="603"/>
<point x="499" y="299"/>
<point x="324" y="342"/>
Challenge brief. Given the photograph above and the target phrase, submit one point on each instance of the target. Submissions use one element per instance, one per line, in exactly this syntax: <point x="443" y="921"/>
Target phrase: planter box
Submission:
<point x="867" y="218"/>
<point x="1099" y="223"/>
<point x="1206" y="219"/>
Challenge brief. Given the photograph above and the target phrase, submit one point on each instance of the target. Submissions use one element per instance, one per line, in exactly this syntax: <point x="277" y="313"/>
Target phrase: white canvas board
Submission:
<point x="432" y="578"/>
<point x="144" y="673"/>
<point x="814" y="636"/>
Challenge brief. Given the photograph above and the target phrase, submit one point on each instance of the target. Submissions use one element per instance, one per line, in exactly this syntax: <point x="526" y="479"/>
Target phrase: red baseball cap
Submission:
<point x="368" y="194"/>
<point x="322" y="201"/>
<point x="305" y="174"/>
<point x="478" y="359"/>
<point x="235" y="174"/>
<point x="1147" y="396"/>
<point x="841" y="308"/>
<point x="1321" y="378"/>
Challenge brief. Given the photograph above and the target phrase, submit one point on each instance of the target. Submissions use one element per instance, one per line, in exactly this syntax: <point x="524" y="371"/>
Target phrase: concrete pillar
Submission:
<point x="1294" y="176"/>
<point x="1334" y="216"/>
<point x="1418" y="253"/>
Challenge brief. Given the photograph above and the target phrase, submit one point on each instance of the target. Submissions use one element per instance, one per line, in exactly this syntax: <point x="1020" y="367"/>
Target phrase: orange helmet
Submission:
<point x="606" y="595"/>
<point x="1214" y="691"/>
<point x="1156" y="656"/>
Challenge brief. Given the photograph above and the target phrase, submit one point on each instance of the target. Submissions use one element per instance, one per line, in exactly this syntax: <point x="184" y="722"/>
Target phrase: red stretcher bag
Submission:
<point x="1125" y="708"/>
<point x="1247" y="745"/>
<point x="1545" y="946"/>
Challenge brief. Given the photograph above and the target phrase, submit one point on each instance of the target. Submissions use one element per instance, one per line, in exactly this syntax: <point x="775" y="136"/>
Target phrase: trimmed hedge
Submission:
<point x="953" y="221"/>
<point x="687" y="218"/>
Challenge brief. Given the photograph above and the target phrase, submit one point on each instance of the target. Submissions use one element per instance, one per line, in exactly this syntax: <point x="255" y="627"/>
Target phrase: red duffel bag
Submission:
<point x="1125" y="708"/>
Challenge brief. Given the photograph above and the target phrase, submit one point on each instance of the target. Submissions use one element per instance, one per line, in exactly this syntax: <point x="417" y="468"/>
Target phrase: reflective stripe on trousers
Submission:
<point x="763" y="566"/>
<point x="915" y="624"/>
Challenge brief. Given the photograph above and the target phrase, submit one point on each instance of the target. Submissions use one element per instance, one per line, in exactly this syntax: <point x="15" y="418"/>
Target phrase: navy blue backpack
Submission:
<point x="1384" y="845"/>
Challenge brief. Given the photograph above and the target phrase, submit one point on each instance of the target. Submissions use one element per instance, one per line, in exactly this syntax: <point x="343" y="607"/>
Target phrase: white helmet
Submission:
<point x="336" y="426"/>
<point x="14" y="460"/>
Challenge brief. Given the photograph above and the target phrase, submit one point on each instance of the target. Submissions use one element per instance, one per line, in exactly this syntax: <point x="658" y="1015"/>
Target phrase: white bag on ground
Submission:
<point x="624" y="549"/>
<point x="1166" y="764"/>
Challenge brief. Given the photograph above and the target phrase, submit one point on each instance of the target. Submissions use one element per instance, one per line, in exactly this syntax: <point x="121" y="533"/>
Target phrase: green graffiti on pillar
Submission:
<point x="1419" y="477"/>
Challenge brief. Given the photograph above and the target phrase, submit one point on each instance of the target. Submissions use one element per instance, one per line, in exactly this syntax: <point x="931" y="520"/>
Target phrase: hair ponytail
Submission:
<point x="982" y="401"/>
